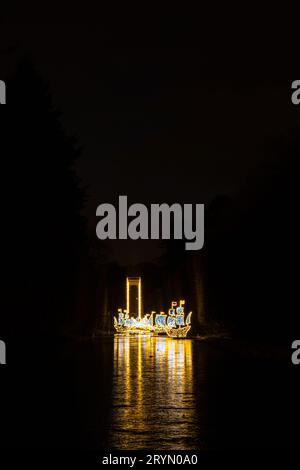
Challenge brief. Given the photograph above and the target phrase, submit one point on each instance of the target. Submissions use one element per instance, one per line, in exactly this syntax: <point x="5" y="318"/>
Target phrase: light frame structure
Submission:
<point x="134" y="282"/>
<point x="175" y="323"/>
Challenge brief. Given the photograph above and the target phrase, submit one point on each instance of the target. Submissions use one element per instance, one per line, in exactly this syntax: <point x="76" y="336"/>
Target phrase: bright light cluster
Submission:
<point x="174" y="323"/>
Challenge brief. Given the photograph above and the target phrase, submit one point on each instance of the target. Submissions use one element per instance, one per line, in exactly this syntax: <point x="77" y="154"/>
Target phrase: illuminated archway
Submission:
<point x="130" y="283"/>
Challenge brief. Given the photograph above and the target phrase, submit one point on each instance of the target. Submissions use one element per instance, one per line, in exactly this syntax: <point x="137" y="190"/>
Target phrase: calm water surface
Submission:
<point x="143" y="392"/>
<point x="155" y="403"/>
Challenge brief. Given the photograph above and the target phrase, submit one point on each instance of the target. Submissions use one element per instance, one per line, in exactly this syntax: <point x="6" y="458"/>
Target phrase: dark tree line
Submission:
<point x="57" y="281"/>
<point x="245" y="279"/>
<point x="44" y="233"/>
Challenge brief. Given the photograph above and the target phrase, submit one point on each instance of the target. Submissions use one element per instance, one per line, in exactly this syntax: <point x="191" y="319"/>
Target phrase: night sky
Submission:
<point x="155" y="123"/>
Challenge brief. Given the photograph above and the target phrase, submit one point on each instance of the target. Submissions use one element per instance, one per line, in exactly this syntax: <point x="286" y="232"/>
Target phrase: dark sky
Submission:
<point x="156" y="123"/>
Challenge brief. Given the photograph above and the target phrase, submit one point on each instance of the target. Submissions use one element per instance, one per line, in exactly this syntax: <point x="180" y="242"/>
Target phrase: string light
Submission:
<point x="174" y="324"/>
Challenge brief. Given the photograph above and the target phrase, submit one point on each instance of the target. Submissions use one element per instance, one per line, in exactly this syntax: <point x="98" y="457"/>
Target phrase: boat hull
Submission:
<point x="180" y="332"/>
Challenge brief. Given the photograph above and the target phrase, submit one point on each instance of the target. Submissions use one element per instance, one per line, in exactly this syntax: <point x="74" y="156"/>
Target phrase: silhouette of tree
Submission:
<point x="43" y="199"/>
<point x="251" y="249"/>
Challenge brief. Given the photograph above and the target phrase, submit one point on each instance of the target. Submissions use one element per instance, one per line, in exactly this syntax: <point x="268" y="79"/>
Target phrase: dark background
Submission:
<point x="162" y="109"/>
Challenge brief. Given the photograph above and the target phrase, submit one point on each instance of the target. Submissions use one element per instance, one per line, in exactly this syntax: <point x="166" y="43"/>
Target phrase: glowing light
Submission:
<point x="174" y="324"/>
<point x="134" y="282"/>
<point x="138" y="413"/>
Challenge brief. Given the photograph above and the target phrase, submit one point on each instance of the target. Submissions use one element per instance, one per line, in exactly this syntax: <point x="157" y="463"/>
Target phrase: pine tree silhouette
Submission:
<point x="44" y="233"/>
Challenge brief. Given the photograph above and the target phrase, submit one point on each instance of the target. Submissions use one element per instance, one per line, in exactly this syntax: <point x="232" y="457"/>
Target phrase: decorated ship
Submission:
<point x="175" y="323"/>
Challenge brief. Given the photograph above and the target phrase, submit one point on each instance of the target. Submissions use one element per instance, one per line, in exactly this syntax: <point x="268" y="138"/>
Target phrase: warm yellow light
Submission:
<point x="137" y="282"/>
<point x="174" y="324"/>
<point x="127" y="294"/>
<point x="140" y="298"/>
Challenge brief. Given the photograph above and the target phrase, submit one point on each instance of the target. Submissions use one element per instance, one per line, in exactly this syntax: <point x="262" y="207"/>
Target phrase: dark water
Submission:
<point x="149" y="393"/>
<point x="186" y="394"/>
<point x="154" y="394"/>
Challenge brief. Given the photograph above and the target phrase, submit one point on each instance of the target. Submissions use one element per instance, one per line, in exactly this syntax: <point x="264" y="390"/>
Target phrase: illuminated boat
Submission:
<point x="174" y="324"/>
<point x="131" y="325"/>
<point x="177" y="326"/>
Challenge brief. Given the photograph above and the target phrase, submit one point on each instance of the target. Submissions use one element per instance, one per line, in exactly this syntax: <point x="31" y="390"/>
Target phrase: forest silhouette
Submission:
<point x="58" y="281"/>
<point x="61" y="290"/>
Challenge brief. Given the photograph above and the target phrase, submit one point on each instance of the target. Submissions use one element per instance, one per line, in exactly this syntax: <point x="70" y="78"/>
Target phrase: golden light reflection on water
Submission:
<point x="154" y="404"/>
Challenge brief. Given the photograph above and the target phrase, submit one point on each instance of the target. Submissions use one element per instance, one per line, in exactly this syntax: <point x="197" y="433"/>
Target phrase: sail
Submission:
<point x="171" y="322"/>
<point x="160" y="320"/>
